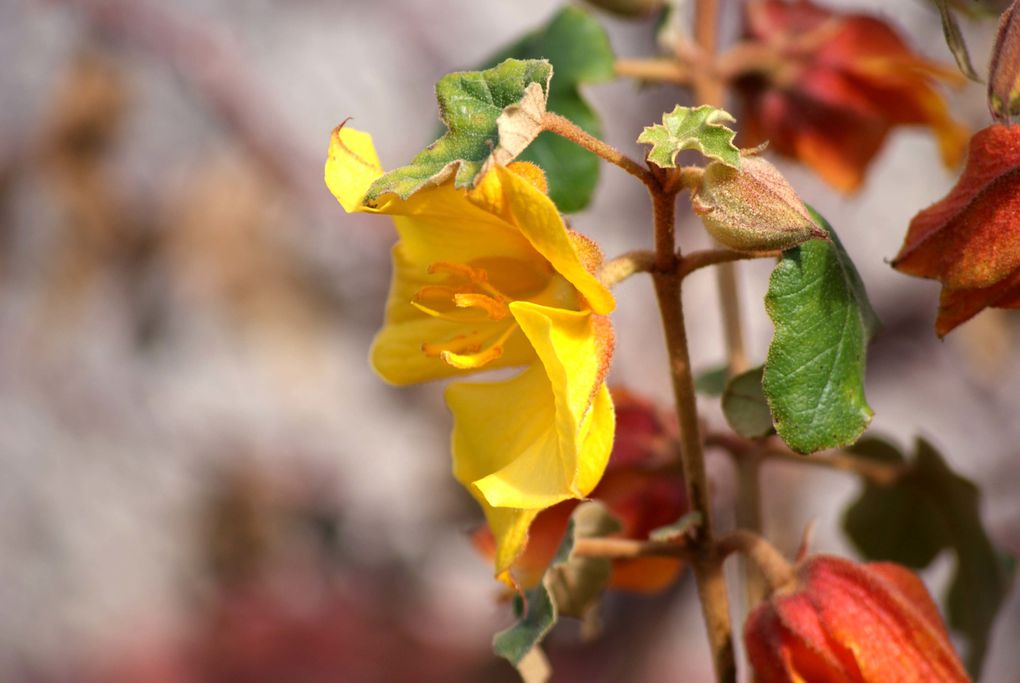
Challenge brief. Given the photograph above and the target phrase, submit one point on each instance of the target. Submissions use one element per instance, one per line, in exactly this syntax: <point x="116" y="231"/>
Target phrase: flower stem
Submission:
<point x="776" y="569"/>
<point x="564" y="127"/>
<point x="711" y="257"/>
<point x="626" y="548"/>
<point x="659" y="70"/>
<point x="705" y="562"/>
<point x="618" y="269"/>
<point x="880" y="473"/>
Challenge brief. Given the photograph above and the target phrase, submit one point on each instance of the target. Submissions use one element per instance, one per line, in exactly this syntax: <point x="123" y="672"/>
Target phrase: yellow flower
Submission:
<point x="488" y="278"/>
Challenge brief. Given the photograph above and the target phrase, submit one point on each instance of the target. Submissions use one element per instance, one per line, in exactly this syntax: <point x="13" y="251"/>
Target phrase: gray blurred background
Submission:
<point x="200" y="477"/>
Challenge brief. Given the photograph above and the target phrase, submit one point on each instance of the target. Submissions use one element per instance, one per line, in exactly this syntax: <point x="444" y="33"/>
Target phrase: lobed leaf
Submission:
<point x="745" y="407"/>
<point x="578" y="48"/>
<point x="814" y="373"/>
<point x="703" y="129"/>
<point x="491" y="116"/>
<point x="927" y="510"/>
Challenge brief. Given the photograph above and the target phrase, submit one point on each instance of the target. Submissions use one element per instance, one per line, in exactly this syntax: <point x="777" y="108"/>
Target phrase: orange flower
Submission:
<point x="839" y="621"/>
<point x="636" y="491"/>
<point x="835" y="85"/>
<point x="969" y="240"/>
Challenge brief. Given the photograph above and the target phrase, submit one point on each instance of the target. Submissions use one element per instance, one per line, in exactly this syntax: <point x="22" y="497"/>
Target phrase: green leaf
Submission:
<point x="702" y="129"/>
<point x="814" y="372"/>
<point x="712" y="382"/>
<point x="491" y="116"/>
<point x="954" y="39"/>
<point x="578" y="48"/>
<point x="570" y="586"/>
<point x="745" y="407"/>
<point x="899" y="523"/>
<point x="929" y="509"/>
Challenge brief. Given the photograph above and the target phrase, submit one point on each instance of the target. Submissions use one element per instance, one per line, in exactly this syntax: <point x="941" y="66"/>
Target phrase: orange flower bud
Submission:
<point x="837" y="620"/>
<point x="752" y="208"/>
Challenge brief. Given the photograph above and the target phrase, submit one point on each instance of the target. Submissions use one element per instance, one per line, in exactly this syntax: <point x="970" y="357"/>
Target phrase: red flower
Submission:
<point x="634" y="488"/>
<point x="839" y="621"/>
<point x="835" y="85"/>
<point x="970" y="240"/>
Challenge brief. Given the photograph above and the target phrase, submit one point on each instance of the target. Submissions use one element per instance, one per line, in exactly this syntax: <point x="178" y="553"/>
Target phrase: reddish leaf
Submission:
<point x="970" y="240"/>
<point x="839" y="85"/>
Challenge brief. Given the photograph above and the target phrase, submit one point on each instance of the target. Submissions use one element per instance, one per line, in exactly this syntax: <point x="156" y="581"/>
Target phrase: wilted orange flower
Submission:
<point x="634" y="488"/>
<point x="838" y="621"/>
<point x="970" y="240"/>
<point x="834" y="87"/>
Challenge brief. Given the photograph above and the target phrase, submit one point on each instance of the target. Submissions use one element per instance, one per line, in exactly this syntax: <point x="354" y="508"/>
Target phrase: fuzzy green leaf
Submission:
<point x="745" y="407"/>
<point x="702" y="129"/>
<point x="814" y="373"/>
<point x="578" y="48"/>
<point x="927" y="510"/>
<point x="570" y="586"/>
<point x="712" y="382"/>
<point x="491" y="116"/>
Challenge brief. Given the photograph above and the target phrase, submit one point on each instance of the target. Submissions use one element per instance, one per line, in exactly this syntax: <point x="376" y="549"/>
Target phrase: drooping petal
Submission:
<point x="575" y="349"/>
<point x="351" y="166"/>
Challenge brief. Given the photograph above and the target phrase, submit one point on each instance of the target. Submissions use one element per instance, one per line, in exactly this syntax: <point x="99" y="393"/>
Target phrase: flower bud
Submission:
<point x="752" y="208"/>
<point x="1004" y="71"/>
<point x="837" y="620"/>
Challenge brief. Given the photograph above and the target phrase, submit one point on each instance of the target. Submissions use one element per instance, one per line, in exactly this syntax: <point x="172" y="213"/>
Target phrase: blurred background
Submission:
<point x="200" y="477"/>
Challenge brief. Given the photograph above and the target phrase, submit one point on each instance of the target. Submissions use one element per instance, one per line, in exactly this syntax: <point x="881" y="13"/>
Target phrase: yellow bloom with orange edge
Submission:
<point x="486" y="278"/>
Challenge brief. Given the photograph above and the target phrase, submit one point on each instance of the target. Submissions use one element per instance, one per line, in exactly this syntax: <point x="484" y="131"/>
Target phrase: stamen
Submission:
<point x="495" y="310"/>
<point x="477" y="359"/>
<point x="461" y="344"/>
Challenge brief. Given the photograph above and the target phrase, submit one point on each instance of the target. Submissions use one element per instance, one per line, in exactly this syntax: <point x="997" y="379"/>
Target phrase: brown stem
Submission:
<point x="777" y="570"/>
<point x="883" y="474"/>
<point x="705" y="562"/>
<point x="710" y="257"/>
<point x="616" y="270"/>
<point x="749" y="516"/>
<point x="626" y="548"/>
<point x="660" y="70"/>
<point x="564" y="127"/>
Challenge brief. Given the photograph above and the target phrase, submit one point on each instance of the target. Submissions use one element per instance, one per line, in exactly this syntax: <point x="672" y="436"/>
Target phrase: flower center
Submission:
<point x="477" y="296"/>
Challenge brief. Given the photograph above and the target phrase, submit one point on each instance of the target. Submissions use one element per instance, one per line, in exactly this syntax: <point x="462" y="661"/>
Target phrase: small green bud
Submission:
<point x="752" y="208"/>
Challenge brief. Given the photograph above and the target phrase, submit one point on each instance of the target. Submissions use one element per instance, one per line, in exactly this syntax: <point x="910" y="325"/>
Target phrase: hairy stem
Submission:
<point x="626" y="548"/>
<point x="660" y="70"/>
<point x="705" y="562"/>
<point x="616" y="270"/>
<point x="774" y="567"/>
<point x="564" y="127"/>
<point x="880" y="473"/>
<point x="708" y="566"/>
<point x="711" y="257"/>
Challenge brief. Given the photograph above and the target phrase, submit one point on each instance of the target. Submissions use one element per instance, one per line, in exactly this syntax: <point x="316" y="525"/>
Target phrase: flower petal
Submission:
<point x="351" y="166"/>
<point x="505" y="193"/>
<point x="575" y="349"/>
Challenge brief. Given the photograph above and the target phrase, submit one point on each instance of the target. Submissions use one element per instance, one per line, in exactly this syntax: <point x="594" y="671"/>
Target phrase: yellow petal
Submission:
<point x="510" y="529"/>
<point x="397" y="350"/>
<point x="351" y="166"/>
<point x="506" y="452"/>
<point x="575" y="348"/>
<point x="506" y="448"/>
<point x="504" y="193"/>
